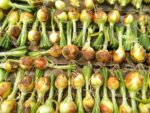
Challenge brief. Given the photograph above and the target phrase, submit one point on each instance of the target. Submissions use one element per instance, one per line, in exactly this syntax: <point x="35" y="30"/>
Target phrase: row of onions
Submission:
<point x="31" y="5"/>
<point x="95" y="40"/>
<point x="72" y="90"/>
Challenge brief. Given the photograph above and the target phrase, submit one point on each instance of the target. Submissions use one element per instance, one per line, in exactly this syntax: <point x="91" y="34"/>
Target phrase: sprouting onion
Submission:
<point x="9" y="105"/>
<point x="70" y="51"/>
<point x="25" y="85"/>
<point x="54" y="35"/>
<point x="97" y="82"/>
<point x="61" y="83"/>
<point x="43" y="17"/>
<point x="42" y="86"/>
<point x="48" y="106"/>
<point x="129" y="37"/>
<point x="31" y="105"/>
<point x="13" y="18"/>
<point x="134" y="82"/>
<point x="87" y="51"/>
<point x="16" y="52"/>
<point x="61" y="17"/>
<point x="68" y="105"/>
<point x="88" y="4"/>
<point x="106" y="106"/>
<point x="73" y="16"/>
<point x="124" y="107"/>
<point x="136" y="3"/>
<point x="7" y="4"/>
<point x="113" y="18"/>
<point x="34" y="35"/>
<point x="78" y="83"/>
<point x="143" y="39"/>
<point x="9" y="66"/>
<point x="100" y="18"/>
<point x="88" y="100"/>
<point x="42" y="63"/>
<point x="111" y="2"/>
<point x="26" y="18"/>
<point x="113" y="85"/>
<point x="85" y="18"/>
<point x="103" y="56"/>
<point x="148" y="59"/>
<point x="5" y="89"/>
<point x="119" y="54"/>
<point x="124" y="3"/>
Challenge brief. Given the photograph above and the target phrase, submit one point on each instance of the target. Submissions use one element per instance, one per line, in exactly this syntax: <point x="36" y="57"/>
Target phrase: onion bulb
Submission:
<point x="5" y="89"/>
<point x="88" y="4"/>
<point x="111" y="2"/>
<point x="148" y="59"/>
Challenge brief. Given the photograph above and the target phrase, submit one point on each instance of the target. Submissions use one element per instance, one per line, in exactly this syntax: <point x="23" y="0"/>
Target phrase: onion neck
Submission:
<point x="84" y="33"/>
<point x="114" y="101"/>
<point x="133" y="102"/>
<point x="79" y="100"/>
<point x="145" y="86"/>
<point x="69" y="30"/>
<point x="74" y="30"/>
<point x="35" y="25"/>
<point x="106" y="39"/>
<point x="62" y="36"/>
<point x="101" y="27"/>
<point x="60" y="92"/>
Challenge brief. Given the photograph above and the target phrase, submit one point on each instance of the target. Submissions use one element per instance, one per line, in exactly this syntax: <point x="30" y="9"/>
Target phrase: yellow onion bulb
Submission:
<point x="88" y="103"/>
<point x="42" y="15"/>
<point x="73" y="15"/>
<point x="45" y="109"/>
<point x="40" y="63"/>
<point x="88" y="53"/>
<point x="113" y="83"/>
<point x="15" y="31"/>
<point x="5" y="89"/>
<point x="128" y="19"/>
<point x="34" y="35"/>
<point x="26" y="17"/>
<point x="125" y="109"/>
<point x="54" y="37"/>
<point x="97" y="80"/>
<point x="103" y="56"/>
<point x="114" y="16"/>
<point x="11" y="66"/>
<point x="119" y="55"/>
<point x="106" y="106"/>
<point x="144" y="108"/>
<point x="59" y="4"/>
<point x="26" y="62"/>
<point x="28" y="105"/>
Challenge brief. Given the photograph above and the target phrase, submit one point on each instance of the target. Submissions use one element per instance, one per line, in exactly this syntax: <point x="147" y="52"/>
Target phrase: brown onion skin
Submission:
<point x="42" y="15"/>
<point x="15" y="31"/>
<point x="11" y="66"/>
<point x="138" y="58"/>
<point x="26" y="62"/>
<point x="40" y="63"/>
<point x="113" y="83"/>
<point x="70" y="52"/>
<point x="34" y="35"/>
<point x="88" y="53"/>
<point x="117" y="58"/>
<point x="55" y="51"/>
<point x="103" y="56"/>
<point x="148" y="59"/>
<point x="105" y="109"/>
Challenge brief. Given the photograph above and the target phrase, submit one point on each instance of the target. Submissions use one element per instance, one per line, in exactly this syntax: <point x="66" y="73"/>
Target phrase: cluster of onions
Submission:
<point x="113" y="85"/>
<point x="100" y="18"/>
<point x="134" y="82"/>
<point x="31" y="105"/>
<point x="88" y="100"/>
<point x="124" y="107"/>
<point x="68" y="105"/>
<point x="113" y="18"/>
<point x="106" y="106"/>
<point x="43" y="17"/>
<point x="13" y="18"/>
<point x="9" y="105"/>
<point x="26" y="18"/>
<point x="96" y="82"/>
<point x="78" y="82"/>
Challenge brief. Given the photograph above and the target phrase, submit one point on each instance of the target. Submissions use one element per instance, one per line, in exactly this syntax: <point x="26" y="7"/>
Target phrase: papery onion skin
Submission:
<point x="97" y="80"/>
<point x="131" y="78"/>
<point x="26" y="62"/>
<point x="8" y="106"/>
<point x="88" y="53"/>
<point x="70" y="52"/>
<point x="5" y="89"/>
<point x="26" y="17"/>
<point x="114" y="16"/>
<point x="106" y="109"/>
<point x="125" y="109"/>
<point x="148" y="59"/>
<point x="54" y="37"/>
<point x="113" y="83"/>
<point x="42" y="15"/>
<point x="55" y="51"/>
<point x="128" y="19"/>
<point x="15" y="31"/>
<point x="28" y="105"/>
<point x="144" y="108"/>
<point x="60" y="4"/>
<point x="88" y="103"/>
<point x="34" y="35"/>
<point x="11" y="66"/>
<point x="118" y="56"/>
<point x="40" y="63"/>
<point x="103" y="56"/>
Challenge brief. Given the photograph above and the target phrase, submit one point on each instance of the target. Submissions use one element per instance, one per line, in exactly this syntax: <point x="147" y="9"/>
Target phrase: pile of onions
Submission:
<point x="119" y="54"/>
<point x="88" y="100"/>
<point x="13" y="18"/>
<point x="78" y="83"/>
<point x="70" y="51"/>
<point x="100" y="18"/>
<point x="25" y="18"/>
<point x="87" y="51"/>
<point x="124" y="107"/>
<point x="9" y="105"/>
<point x="68" y="105"/>
<point x="96" y="83"/>
<point x="106" y="106"/>
<point x="113" y="85"/>
<point x="134" y="83"/>
<point x="43" y="17"/>
<point x="103" y="56"/>
<point x="25" y="86"/>
<point x="113" y="18"/>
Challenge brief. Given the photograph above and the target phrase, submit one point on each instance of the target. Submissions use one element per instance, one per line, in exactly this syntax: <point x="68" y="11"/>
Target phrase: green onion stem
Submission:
<point x="79" y="100"/>
<point x="114" y="101"/>
<point x="74" y="30"/>
<point x="62" y="36"/>
<point x="133" y="102"/>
